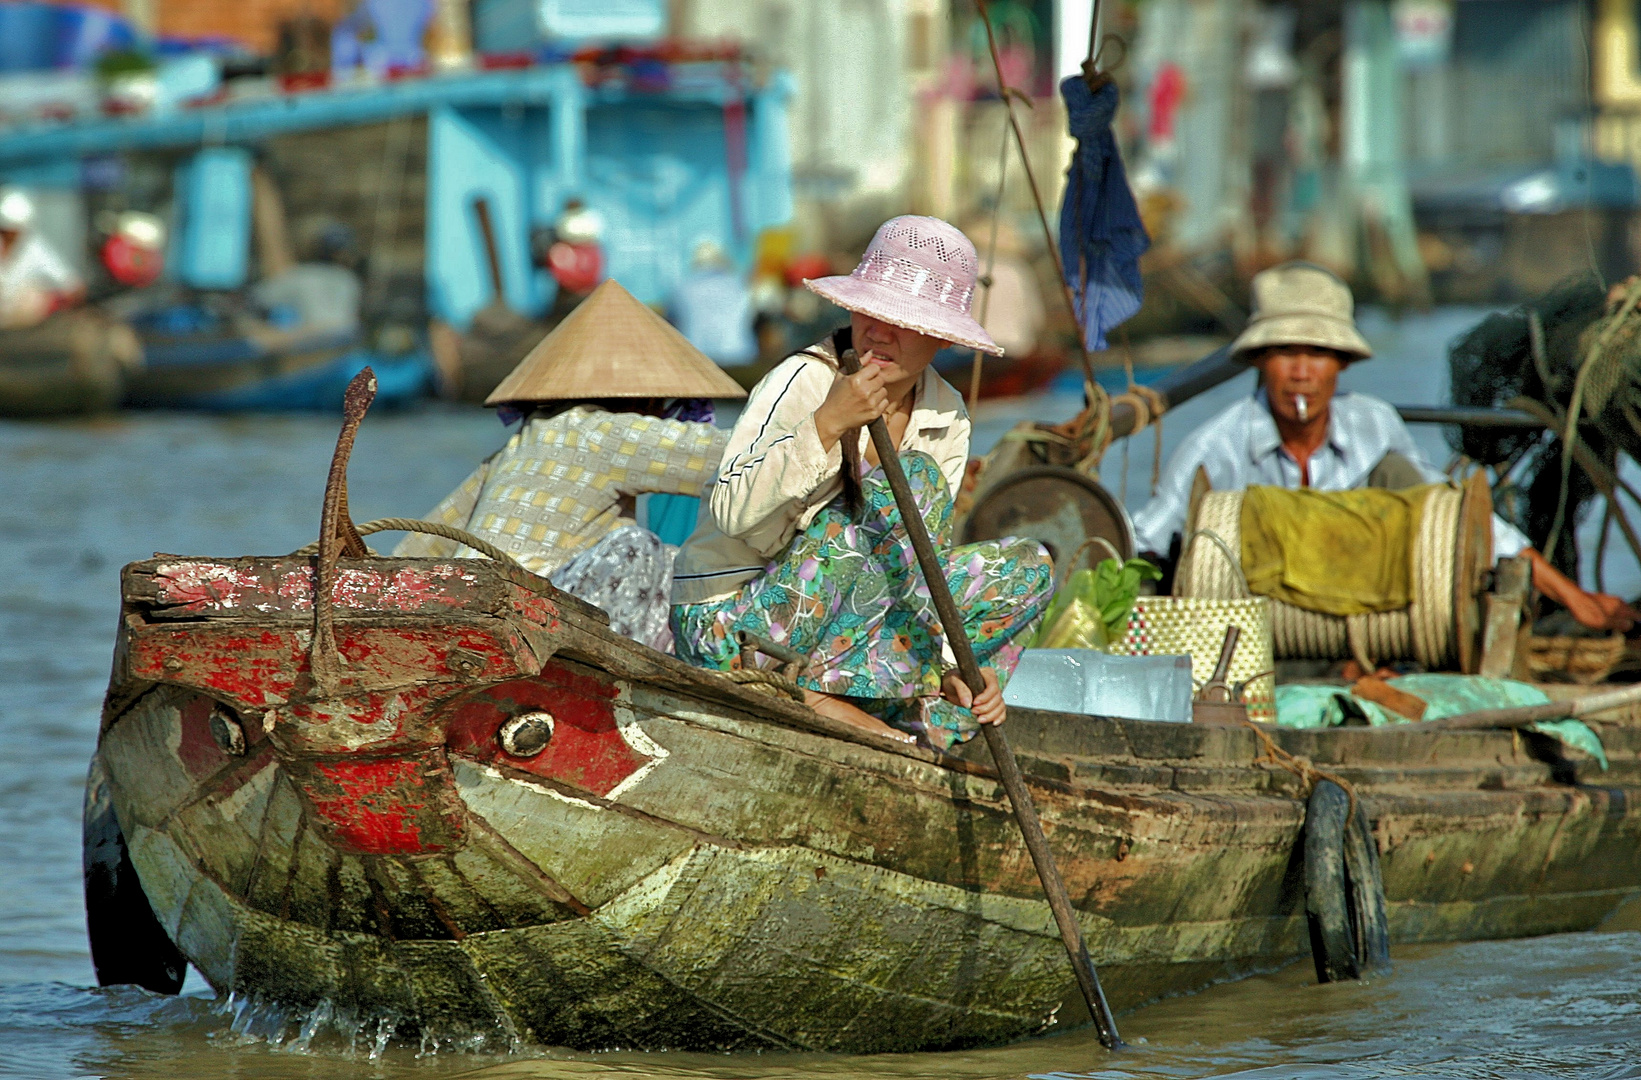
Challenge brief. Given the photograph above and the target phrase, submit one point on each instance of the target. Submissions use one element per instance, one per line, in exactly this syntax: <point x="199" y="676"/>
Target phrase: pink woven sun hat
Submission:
<point x="919" y="273"/>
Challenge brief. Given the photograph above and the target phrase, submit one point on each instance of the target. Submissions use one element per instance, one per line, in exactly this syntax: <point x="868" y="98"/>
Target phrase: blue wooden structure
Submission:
<point x="688" y="152"/>
<point x="661" y="168"/>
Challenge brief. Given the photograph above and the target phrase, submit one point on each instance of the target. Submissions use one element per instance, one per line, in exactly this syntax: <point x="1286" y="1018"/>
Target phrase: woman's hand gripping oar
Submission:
<point x="1025" y="811"/>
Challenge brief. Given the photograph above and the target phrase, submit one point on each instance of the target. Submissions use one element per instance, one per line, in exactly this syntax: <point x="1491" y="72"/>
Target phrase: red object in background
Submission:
<point x="301" y="81"/>
<point x="1167" y="92"/>
<point x="505" y="61"/>
<point x="806" y="266"/>
<point x="131" y="263"/>
<point x="576" y="267"/>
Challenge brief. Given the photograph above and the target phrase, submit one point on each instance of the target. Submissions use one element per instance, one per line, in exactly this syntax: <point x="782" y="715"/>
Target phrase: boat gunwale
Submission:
<point x="1047" y="739"/>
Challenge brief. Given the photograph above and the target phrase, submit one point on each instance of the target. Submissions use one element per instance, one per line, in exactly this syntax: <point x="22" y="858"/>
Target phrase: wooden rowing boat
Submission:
<point x="75" y="362"/>
<point x="686" y="862"/>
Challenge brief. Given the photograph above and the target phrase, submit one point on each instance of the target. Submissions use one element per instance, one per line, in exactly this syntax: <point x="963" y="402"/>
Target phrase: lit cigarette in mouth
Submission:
<point x="1303" y="406"/>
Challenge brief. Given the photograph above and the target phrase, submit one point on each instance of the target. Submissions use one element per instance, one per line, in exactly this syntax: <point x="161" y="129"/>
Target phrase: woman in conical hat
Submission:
<point x="804" y="545"/>
<point x="615" y="404"/>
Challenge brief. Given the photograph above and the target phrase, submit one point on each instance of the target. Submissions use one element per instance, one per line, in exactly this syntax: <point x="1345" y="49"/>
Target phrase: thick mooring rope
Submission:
<point x="506" y="564"/>
<point x="1423" y="631"/>
<point x="770" y="682"/>
<point x="1307" y="772"/>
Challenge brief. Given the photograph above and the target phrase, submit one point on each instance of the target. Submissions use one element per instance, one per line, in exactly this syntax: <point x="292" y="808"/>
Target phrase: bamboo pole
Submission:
<point x="1523" y="715"/>
<point x="1007" y="93"/>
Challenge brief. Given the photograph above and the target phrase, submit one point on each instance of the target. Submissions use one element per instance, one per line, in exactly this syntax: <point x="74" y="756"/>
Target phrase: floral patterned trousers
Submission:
<point x="850" y="596"/>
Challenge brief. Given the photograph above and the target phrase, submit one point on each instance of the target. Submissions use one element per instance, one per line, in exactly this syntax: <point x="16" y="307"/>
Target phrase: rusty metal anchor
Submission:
<point x="337" y="537"/>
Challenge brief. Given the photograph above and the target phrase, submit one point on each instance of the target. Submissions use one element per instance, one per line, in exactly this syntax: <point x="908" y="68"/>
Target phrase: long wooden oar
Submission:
<point x="1523" y="715"/>
<point x="1025" y="811"/>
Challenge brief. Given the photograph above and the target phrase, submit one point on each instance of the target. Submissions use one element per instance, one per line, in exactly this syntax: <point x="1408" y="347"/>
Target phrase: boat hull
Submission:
<point x="74" y="363"/>
<point x="692" y="865"/>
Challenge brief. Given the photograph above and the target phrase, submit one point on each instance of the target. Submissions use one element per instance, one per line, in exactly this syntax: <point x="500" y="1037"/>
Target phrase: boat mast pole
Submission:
<point x="1025" y="810"/>
<point x="1008" y="93"/>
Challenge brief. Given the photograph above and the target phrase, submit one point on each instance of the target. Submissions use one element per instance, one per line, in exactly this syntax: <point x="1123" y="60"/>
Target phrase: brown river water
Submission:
<point x="78" y="500"/>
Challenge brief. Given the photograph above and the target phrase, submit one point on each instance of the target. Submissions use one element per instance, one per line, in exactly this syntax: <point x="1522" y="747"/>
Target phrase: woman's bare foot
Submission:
<point x="838" y="709"/>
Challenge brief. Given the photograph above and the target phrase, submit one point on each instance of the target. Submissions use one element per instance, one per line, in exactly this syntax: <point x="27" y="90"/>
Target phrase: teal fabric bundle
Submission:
<point x="1305" y="705"/>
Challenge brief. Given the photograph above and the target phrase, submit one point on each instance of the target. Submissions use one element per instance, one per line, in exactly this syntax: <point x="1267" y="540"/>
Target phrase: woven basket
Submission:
<point x="1195" y="627"/>
<point x="1425" y="631"/>
<point x="1582" y="660"/>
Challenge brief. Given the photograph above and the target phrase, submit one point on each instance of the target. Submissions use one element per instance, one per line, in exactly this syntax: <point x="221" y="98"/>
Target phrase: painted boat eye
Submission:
<point x="526" y="735"/>
<point x="226" y="730"/>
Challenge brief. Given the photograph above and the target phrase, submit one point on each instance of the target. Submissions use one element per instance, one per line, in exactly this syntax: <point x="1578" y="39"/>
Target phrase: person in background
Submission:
<point x="134" y="253"/>
<point x="615" y="404"/>
<point x="1298" y="430"/>
<point x="573" y="253"/>
<point x="1012" y="304"/>
<point x="804" y="545"/>
<point x="713" y="308"/>
<point x="35" y="280"/>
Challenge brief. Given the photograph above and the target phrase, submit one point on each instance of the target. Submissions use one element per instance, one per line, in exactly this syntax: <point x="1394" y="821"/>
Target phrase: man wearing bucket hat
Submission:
<point x="1298" y="431"/>
<point x="803" y="545"/>
<point x="616" y="404"/>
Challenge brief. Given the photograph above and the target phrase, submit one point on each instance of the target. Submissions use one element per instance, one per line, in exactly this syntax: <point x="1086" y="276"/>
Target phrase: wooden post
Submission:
<point x="1501" y="617"/>
<point x="1025" y="811"/>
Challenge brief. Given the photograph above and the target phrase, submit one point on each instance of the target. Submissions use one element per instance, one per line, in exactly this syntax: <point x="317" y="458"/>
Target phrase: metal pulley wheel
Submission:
<point x="1059" y="507"/>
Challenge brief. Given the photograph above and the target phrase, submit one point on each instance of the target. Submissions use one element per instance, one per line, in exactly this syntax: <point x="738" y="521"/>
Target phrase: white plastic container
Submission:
<point x="1098" y="684"/>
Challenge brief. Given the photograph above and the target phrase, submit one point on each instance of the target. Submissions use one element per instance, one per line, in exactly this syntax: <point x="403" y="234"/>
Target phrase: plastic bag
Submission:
<point x="1091" y="609"/>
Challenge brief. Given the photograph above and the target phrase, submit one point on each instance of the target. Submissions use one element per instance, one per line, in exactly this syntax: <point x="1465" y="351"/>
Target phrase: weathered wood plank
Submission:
<point x="398" y="890"/>
<point x="459" y="906"/>
<point x="140" y="754"/>
<point x="572" y="983"/>
<point x="518" y="898"/>
<point x="269" y="888"/>
<point x="313" y="865"/>
<point x="275" y="588"/>
<point x="222" y="832"/>
<point x="950" y="828"/>
<point x="256" y="667"/>
<point x="592" y="852"/>
<point x="356" y="907"/>
<point x="368" y="805"/>
<point x="205" y="932"/>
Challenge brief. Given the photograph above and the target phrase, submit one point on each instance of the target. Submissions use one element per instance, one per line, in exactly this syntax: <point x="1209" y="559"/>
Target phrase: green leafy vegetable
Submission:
<point x="1116" y="587"/>
<point x="1091" y="609"/>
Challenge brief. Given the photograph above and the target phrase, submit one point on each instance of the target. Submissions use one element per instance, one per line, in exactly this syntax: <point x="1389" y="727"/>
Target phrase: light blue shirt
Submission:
<point x="713" y="308"/>
<point x="1241" y="448"/>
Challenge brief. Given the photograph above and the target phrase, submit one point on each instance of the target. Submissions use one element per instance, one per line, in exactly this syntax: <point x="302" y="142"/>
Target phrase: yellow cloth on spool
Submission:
<point x="1337" y="552"/>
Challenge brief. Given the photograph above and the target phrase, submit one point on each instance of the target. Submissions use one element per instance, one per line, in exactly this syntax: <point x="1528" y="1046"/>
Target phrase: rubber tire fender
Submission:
<point x="128" y="944"/>
<point x="1344" y="891"/>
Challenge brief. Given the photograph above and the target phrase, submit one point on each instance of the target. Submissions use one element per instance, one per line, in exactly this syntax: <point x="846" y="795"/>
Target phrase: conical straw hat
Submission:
<point x="612" y="346"/>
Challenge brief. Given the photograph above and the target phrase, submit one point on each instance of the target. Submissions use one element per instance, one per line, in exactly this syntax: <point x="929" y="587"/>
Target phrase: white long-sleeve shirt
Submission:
<point x="776" y="476"/>
<point x="31" y="274"/>
<point x="1241" y="448"/>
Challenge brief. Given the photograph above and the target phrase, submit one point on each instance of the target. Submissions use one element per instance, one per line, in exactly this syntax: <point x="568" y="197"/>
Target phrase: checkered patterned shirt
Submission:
<point x="561" y="483"/>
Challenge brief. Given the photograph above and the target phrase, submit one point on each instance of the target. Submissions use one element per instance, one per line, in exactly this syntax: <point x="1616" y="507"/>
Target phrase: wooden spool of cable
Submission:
<point x="1439" y="629"/>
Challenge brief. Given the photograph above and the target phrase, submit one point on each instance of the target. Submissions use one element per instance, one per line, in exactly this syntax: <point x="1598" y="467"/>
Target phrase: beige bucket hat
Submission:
<point x="1299" y="303"/>
<point x="613" y="346"/>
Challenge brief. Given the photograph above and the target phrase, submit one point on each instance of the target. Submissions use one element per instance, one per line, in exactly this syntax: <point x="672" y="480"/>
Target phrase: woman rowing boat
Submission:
<point x="803" y="545"/>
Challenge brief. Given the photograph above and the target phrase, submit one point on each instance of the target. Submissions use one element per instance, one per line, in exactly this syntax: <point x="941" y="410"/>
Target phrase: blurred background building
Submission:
<point x="475" y="166"/>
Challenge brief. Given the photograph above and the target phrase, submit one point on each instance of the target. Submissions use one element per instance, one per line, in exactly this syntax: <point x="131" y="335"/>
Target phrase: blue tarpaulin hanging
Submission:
<point x="1101" y="236"/>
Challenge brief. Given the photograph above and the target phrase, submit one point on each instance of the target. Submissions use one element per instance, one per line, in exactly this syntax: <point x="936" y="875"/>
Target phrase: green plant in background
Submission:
<point x="119" y="63"/>
<point x="1091" y="609"/>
